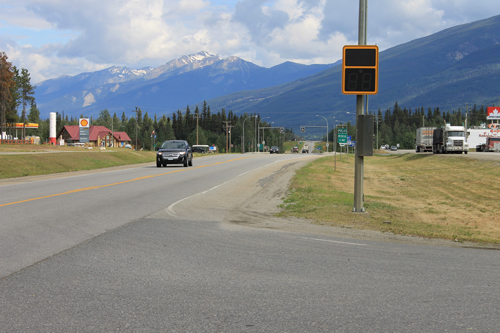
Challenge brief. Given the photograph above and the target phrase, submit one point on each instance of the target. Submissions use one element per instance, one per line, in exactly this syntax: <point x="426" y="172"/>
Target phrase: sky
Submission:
<point x="51" y="38"/>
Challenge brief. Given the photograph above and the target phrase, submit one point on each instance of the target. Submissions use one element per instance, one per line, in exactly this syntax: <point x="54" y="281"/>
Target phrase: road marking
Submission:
<point x="122" y="182"/>
<point x="332" y="241"/>
<point x="170" y="209"/>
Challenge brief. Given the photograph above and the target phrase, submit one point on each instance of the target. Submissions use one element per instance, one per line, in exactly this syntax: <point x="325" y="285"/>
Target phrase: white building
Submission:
<point x="477" y="136"/>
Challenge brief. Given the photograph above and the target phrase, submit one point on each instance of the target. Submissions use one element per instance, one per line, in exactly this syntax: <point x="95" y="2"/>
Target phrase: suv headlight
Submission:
<point x="182" y="153"/>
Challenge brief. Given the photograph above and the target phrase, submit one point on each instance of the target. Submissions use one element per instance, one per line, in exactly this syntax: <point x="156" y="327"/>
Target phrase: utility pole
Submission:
<point x="136" y="124"/>
<point x="228" y="132"/>
<point x="197" y="118"/>
<point x="466" y="118"/>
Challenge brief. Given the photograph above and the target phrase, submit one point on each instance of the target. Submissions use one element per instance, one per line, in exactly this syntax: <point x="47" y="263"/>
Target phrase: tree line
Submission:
<point x="399" y="125"/>
<point x="221" y="129"/>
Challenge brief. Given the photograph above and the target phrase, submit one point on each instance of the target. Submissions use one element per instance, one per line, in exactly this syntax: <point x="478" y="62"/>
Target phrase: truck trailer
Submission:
<point x="449" y="140"/>
<point x="424" y="139"/>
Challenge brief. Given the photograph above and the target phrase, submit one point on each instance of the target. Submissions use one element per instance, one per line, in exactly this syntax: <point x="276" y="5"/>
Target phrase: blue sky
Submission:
<point x="51" y="38"/>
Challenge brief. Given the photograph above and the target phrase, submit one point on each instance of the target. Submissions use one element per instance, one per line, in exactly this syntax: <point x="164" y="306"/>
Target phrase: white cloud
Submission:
<point x="56" y="37"/>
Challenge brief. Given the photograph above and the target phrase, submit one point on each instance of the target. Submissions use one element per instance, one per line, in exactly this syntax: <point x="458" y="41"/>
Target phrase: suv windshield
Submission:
<point x="173" y="145"/>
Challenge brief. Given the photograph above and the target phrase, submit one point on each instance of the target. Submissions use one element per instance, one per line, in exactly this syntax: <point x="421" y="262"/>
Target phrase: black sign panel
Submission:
<point x="84" y="134"/>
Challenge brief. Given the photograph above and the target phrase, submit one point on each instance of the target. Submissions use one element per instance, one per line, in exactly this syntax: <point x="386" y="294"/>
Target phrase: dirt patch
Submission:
<point x="252" y="200"/>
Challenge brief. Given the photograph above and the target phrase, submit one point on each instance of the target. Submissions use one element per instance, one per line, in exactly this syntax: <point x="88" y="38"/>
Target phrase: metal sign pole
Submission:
<point x="359" y="160"/>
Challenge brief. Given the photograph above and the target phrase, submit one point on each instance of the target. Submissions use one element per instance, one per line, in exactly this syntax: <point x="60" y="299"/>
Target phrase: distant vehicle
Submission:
<point x="174" y="152"/>
<point x="305" y="149"/>
<point x="199" y="150"/>
<point x="394" y="148"/>
<point x="492" y="144"/>
<point x="450" y="139"/>
<point x="274" y="150"/>
<point x="295" y="149"/>
<point x="424" y="139"/>
<point x="128" y="146"/>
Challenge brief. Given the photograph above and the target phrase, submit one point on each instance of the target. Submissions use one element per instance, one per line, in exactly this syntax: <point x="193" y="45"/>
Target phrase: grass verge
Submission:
<point x="422" y="195"/>
<point x="64" y="160"/>
<point x="57" y="159"/>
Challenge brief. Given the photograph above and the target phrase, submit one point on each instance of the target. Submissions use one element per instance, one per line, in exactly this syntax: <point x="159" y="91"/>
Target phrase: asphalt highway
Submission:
<point x="102" y="252"/>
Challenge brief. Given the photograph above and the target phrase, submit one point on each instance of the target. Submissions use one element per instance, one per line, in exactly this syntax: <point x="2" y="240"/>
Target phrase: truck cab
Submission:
<point x="450" y="139"/>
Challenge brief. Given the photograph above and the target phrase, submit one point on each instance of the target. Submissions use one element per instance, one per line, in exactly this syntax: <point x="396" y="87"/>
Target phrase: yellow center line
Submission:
<point x="122" y="182"/>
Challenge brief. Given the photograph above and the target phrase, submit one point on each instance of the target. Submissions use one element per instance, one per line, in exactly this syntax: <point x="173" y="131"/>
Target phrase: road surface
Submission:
<point x="176" y="250"/>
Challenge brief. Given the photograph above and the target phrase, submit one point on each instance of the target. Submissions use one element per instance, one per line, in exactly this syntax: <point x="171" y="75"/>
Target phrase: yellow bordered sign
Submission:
<point x="360" y="70"/>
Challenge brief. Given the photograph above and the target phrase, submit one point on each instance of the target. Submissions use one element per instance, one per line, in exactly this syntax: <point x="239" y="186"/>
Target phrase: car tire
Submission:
<point x="190" y="162"/>
<point x="158" y="164"/>
<point x="186" y="162"/>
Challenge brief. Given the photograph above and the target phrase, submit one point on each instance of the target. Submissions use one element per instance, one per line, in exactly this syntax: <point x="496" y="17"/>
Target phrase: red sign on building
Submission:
<point x="493" y="113"/>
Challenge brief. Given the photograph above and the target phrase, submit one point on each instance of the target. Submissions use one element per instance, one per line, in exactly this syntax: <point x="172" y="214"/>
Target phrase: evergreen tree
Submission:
<point x="26" y="92"/>
<point x="104" y="119"/>
<point x="34" y="114"/>
<point x="116" y="123"/>
<point x="124" y="121"/>
<point x="201" y="137"/>
<point x="6" y="84"/>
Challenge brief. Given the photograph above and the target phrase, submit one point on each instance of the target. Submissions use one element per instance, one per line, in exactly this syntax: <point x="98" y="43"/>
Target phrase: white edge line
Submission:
<point x="332" y="241"/>
<point x="170" y="209"/>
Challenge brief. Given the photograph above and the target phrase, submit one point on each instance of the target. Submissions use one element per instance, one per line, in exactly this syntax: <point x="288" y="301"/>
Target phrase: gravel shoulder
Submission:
<point x="252" y="200"/>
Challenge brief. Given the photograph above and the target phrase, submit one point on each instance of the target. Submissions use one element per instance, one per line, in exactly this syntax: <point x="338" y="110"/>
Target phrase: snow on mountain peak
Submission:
<point x="202" y="55"/>
<point x="198" y="57"/>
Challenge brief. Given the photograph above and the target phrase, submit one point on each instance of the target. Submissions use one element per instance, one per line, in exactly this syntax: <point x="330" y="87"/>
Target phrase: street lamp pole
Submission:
<point x="327" y="142"/>
<point x="243" y="150"/>
<point x="263" y="129"/>
<point x="258" y="132"/>
<point x="255" y="135"/>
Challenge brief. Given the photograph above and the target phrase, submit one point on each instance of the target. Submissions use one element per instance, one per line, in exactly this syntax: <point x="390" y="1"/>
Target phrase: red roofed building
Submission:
<point x="98" y="136"/>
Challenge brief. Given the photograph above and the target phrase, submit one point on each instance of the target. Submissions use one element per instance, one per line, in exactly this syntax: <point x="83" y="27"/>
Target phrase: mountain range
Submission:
<point x="449" y="69"/>
<point x="165" y="89"/>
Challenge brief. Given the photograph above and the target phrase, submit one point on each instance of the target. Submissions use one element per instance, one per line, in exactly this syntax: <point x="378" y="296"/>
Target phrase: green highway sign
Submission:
<point x="342" y="135"/>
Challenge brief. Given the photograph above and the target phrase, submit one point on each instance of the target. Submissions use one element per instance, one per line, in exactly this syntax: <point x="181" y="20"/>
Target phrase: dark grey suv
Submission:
<point x="174" y="152"/>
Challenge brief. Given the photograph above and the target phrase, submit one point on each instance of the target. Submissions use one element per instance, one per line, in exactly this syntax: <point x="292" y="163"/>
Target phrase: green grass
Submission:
<point x="422" y="195"/>
<point x="47" y="163"/>
<point x="54" y="159"/>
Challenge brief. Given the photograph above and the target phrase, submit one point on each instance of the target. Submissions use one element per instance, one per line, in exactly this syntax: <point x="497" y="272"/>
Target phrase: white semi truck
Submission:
<point x="449" y="140"/>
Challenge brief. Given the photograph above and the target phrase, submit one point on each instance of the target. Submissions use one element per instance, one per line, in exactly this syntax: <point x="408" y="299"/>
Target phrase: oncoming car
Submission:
<point x="174" y="152"/>
<point x="274" y="150"/>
